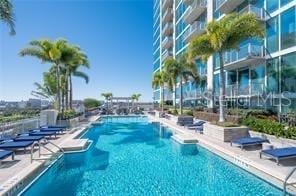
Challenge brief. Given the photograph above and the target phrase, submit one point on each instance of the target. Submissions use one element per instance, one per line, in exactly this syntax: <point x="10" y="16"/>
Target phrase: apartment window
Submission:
<point x="243" y="80"/>
<point x="257" y="79"/>
<point x="216" y="84"/>
<point x="272" y="31"/>
<point x="272" y="5"/>
<point x="272" y="72"/>
<point x="288" y="73"/>
<point x="288" y="28"/>
<point x="284" y="2"/>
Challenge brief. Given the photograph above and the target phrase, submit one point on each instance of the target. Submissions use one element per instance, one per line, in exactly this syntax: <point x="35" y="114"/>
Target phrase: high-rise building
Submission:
<point x="261" y="74"/>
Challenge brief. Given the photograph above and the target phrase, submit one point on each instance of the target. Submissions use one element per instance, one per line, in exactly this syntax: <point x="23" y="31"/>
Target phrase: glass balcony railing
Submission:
<point x="195" y="10"/>
<point x="168" y="14"/>
<point x="247" y="51"/>
<point x="167" y="28"/>
<point x="166" y="54"/>
<point x="259" y="12"/>
<point x="195" y="29"/>
<point x="236" y="90"/>
<point x="226" y="6"/>
<point x="166" y="4"/>
<point x="167" y="42"/>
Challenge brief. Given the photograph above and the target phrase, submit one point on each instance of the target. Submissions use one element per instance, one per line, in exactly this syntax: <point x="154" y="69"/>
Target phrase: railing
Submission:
<point x="243" y="90"/>
<point x="18" y="126"/>
<point x="167" y="39"/>
<point x="248" y="50"/>
<point x="194" y="5"/>
<point x="167" y="53"/>
<point x="167" y="12"/>
<point x="52" y="153"/>
<point x="166" y="3"/>
<point x="219" y="3"/>
<point x="259" y="12"/>
<point x="196" y="26"/>
<point x="286" y="180"/>
<point x="167" y="26"/>
<point x="257" y="88"/>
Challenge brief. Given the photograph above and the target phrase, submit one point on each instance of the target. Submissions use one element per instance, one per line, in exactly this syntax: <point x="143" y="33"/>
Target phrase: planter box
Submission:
<point x="69" y="123"/>
<point x="225" y="134"/>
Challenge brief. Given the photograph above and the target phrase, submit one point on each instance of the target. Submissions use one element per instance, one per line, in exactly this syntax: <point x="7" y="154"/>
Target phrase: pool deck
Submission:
<point x="247" y="159"/>
<point x="14" y="173"/>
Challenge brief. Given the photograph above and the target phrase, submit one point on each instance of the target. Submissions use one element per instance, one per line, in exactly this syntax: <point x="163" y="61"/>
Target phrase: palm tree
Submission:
<point x="136" y="97"/>
<point x="73" y="59"/>
<point x="48" y="51"/>
<point x="183" y="69"/>
<point x="107" y="97"/>
<point x="6" y="15"/>
<point x="159" y="80"/>
<point x="224" y="35"/>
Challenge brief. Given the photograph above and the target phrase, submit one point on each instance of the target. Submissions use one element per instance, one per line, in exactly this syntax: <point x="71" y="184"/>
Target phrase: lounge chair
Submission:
<point x="5" y="153"/>
<point x="248" y="141"/>
<point x="39" y="133"/>
<point x="196" y="124"/>
<point x="11" y="145"/>
<point x="54" y="126"/>
<point x="279" y="153"/>
<point x="22" y="138"/>
<point x="58" y="130"/>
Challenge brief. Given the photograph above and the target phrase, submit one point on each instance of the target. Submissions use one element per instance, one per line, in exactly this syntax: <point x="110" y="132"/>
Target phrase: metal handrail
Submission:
<point x="286" y="180"/>
<point x="41" y="145"/>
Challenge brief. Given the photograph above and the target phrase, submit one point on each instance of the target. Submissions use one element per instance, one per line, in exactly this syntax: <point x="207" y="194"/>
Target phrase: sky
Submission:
<point x="115" y="34"/>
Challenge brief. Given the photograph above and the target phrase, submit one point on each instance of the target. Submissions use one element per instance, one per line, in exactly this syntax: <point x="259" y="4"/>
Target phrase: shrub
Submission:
<point x="188" y="112"/>
<point x="226" y="124"/>
<point x="270" y="127"/>
<point x="91" y="103"/>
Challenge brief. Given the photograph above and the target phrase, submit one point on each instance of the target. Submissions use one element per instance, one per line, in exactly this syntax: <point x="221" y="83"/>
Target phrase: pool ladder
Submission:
<point x="52" y="153"/>
<point x="286" y="181"/>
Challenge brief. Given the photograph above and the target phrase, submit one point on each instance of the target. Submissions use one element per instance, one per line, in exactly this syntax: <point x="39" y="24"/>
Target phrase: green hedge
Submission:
<point x="270" y="127"/>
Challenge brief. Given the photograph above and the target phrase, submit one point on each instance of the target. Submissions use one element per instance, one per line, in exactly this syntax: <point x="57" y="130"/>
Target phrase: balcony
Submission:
<point x="167" y="54"/>
<point x="248" y="54"/>
<point x="168" y="29"/>
<point x="226" y="6"/>
<point x="168" y="15"/>
<point x="166" y="4"/>
<point x="236" y="90"/>
<point x="195" y="10"/>
<point x="188" y="2"/>
<point x="167" y="42"/>
<point x="195" y="29"/>
<point x="259" y="12"/>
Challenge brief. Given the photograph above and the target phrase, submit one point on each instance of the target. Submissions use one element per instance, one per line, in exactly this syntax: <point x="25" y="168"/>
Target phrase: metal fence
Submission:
<point x="16" y="127"/>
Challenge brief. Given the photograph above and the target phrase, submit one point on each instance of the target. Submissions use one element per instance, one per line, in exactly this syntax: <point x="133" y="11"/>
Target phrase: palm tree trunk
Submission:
<point x="58" y="87"/>
<point x="222" y="88"/>
<point x="181" y="96"/>
<point x="71" y="92"/>
<point x="175" y="96"/>
<point x="162" y="97"/>
<point x="67" y="90"/>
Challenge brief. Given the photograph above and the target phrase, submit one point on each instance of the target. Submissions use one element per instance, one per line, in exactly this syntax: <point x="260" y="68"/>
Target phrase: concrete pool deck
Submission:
<point x="13" y="174"/>
<point x="247" y="159"/>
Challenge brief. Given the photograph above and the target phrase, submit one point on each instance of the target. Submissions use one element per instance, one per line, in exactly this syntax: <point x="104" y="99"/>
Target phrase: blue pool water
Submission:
<point x="130" y="156"/>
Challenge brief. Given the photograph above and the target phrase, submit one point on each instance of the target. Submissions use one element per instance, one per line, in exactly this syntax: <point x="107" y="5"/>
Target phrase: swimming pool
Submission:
<point x="130" y="156"/>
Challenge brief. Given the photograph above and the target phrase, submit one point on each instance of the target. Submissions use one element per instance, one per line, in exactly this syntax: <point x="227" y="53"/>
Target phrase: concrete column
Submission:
<point x="210" y="62"/>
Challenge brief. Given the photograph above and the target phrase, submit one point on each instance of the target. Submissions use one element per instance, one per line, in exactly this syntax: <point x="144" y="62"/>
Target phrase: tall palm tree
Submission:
<point x="224" y="35"/>
<point x="107" y="97"/>
<point x="136" y="97"/>
<point x="183" y="69"/>
<point x="48" y="51"/>
<point x="159" y="80"/>
<point x="7" y="15"/>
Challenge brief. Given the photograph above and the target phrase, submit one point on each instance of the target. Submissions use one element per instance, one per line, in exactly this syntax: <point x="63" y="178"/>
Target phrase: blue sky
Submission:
<point x="116" y="35"/>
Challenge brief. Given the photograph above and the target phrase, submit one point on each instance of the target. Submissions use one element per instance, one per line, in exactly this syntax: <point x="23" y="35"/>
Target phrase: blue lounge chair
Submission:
<point x="54" y="126"/>
<point x="39" y="133"/>
<point x="279" y="153"/>
<point x="22" y="138"/>
<point x="5" y="153"/>
<point x="11" y="145"/>
<point x="248" y="141"/>
<point x="196" y="124"/>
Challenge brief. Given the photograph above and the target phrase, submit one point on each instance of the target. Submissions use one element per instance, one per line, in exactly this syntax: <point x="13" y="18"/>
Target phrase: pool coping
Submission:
<point x="250" y="166"/>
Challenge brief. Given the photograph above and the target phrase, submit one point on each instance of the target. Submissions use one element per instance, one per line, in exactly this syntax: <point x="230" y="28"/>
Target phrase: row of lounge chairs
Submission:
<point x="10" y="144"/>
<point x="277" y="153"/>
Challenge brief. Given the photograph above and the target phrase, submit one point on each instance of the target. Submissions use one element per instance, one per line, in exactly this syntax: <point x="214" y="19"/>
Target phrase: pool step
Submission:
<point x="185" y="138"/>
<point x="75" y="145"/>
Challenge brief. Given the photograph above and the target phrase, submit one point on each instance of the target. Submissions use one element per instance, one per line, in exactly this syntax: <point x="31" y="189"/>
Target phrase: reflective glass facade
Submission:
<point x="259" y="68"/>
